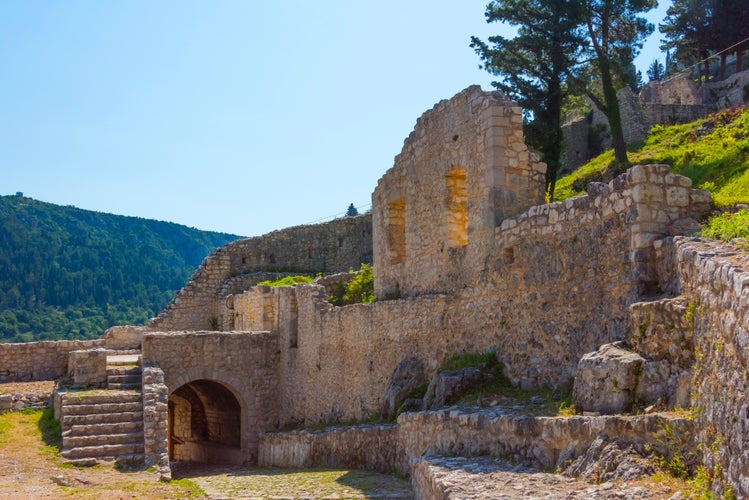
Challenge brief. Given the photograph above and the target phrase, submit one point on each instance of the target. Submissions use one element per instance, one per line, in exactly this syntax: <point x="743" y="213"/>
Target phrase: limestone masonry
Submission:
<point x="597" y="294"/>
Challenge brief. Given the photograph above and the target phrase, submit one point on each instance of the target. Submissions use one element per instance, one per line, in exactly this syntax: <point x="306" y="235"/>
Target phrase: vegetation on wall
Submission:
<point x="359" y="290"/>
<point x="287" y="281"/>
<point x="713" y="152"/>
<point x="67" y="273"/>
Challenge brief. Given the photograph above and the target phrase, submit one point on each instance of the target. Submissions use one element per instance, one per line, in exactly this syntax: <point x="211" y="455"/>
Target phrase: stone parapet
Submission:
<point x="715" y="281"/>
<point x="45" y="360"/>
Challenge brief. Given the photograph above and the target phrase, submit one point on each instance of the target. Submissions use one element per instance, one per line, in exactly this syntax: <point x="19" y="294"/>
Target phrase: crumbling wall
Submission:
<point x="335" y="246"/>
<point x="715" y="280"/>
<point x="557" y="285"/>
<point x="45" y="360"/>
<point x="462" y="170"/>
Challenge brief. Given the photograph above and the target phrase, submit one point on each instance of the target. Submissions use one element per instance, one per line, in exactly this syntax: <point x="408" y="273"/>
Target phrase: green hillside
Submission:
<point x="67" y="273"/>
<point x="713" y="152"/>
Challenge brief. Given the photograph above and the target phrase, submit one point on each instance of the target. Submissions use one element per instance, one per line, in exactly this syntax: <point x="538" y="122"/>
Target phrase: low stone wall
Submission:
<point x="547" y="441"/>
<point x="45" y="360"/>
<point x="15" y="401"/>
<point x="715" y="280"/>
<point x="370" y="447"/>
<point x="155" y="421"/>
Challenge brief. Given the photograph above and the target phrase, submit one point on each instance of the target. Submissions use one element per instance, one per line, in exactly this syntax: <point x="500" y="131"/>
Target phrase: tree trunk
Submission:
<point x="612" y="112"/>
<point x="723" y="58"/>
<point x="739" y="57"/>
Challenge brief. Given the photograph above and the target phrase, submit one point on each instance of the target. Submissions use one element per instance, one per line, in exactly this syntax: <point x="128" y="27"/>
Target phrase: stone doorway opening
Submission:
<point x="205" y="424"/>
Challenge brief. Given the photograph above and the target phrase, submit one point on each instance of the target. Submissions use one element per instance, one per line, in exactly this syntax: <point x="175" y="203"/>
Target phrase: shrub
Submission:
<point x="728" y="226"/>
<point x="357" y="291"/>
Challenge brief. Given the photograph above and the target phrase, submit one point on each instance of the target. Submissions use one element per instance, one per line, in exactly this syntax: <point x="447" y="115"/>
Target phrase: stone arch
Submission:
<point x="207" y="422"/>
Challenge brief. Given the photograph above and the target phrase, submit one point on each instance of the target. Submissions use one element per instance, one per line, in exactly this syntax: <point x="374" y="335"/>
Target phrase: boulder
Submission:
<point x="408" y="375"/>
<point x="447" y="386"/>
<point x="607" y="379"/>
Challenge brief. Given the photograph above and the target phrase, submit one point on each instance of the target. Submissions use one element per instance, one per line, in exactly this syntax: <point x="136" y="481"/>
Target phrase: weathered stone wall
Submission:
<point x="155" y="421"/>
<point x="45" y="360"/>
<point x="462" y="170"/>
<point x="371" y="447"/>
<point x="596" y="250"/>
<point x="335" y="246"/>
<point x="715" y="281"/>
<point x="244" y="363"/>
<point x="548" y="441"/>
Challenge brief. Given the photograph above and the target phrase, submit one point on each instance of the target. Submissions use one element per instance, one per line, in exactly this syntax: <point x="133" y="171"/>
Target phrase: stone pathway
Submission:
<point x="225" y="482"/>
<point x="492" y="478"/>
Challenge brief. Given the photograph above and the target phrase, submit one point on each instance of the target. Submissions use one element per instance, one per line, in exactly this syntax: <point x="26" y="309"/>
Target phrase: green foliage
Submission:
<point x="287" y="281"/>
<point x="352" y="211"/>
<point x="533" y="67"/>
<point x="728" y="226"/>
<point x="357" y="291"/>
<point x="67" y="273"/>
<point x="713" y="152"/>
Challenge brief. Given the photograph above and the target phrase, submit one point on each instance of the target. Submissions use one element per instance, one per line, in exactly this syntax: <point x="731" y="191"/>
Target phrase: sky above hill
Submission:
<point x="240" y="116"/>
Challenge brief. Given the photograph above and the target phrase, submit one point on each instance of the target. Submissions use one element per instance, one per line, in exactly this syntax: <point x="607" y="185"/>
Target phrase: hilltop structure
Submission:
<point x="467" y="258"/>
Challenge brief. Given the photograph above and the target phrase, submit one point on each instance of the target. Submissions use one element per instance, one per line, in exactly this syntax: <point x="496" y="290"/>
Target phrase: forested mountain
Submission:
<point x="67" y="273"/>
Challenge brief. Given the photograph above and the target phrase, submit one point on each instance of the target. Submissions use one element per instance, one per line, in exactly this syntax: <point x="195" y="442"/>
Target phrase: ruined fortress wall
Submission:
<point x="243" y="362"/>
<point x="45" y="360"/>
<point x="463" y="169"/>
<point x="715" y="280"/>
<point x="557" y="286"/>
<point x="339" y="245"/>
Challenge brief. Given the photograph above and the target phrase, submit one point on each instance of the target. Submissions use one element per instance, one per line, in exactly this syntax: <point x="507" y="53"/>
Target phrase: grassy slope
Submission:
<point x="713" y="152"/>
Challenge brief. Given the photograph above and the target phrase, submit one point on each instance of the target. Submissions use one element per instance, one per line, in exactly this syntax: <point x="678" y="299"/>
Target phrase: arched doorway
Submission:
<point x="205" y="424"/>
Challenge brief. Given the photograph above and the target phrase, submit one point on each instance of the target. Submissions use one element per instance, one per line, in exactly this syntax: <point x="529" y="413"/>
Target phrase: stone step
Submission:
<point x="101" y="397"/>
<point x="103" y="451"/>
<point x="124" y="379"/>
<point x="124" y="387"/>
<point x="134" y="371"/>
<point x="123" y="360"/>
<point x="101" y="418"/>
<point x="101" y="408"/>
<point x="70" y="442"/>
<point x="95" y="429"/>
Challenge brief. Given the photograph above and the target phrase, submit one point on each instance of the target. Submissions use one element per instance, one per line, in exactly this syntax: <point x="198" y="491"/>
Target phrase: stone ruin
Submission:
<point x="599" y="294"/>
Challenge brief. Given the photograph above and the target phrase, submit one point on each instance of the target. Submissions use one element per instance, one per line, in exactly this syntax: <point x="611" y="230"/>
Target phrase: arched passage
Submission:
<point x="205" y="424"/>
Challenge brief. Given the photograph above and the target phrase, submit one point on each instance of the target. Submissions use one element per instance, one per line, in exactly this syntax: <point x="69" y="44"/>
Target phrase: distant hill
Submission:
<point x="67" y="273"/>
<point x="712" y="151"/>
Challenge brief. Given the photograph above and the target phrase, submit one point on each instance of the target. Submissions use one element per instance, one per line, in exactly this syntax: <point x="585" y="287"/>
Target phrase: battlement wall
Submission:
<point x="334" y="246"/>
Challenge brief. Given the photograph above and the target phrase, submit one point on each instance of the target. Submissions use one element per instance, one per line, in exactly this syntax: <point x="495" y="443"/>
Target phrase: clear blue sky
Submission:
<point x="237" y="116"/>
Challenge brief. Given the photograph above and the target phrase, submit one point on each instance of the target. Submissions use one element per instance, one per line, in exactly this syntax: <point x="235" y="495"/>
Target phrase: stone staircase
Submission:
<point x="124" y="372"/>
<point x="106" y="424"/>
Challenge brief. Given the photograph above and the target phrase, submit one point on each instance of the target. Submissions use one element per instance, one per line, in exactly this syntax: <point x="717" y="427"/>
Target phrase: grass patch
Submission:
<point x="498" y="389"/>
<point x="713" y="152"/>
<point x="728" y="226"/>
<point x="288" y="281"/>
<point x="189" y="487"/>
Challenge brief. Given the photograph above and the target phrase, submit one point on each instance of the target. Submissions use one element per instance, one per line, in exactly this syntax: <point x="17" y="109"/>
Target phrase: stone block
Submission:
<point x="606" y="379"/>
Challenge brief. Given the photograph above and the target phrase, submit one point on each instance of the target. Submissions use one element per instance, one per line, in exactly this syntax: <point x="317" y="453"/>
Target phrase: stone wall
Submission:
<point x="596" y="250"/>
<point x="370" y="447"/>
<point x="462" y="170"/>
<point x="715" y="280"/>
<point x="45" y="360"/>
<point x="335" y="246"/>
<point x="244" y="363"/>
<point x="548" y="441"/>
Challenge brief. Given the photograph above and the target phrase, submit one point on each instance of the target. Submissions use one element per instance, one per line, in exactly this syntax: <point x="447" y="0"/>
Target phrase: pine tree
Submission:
<point x="352" y="211"/>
